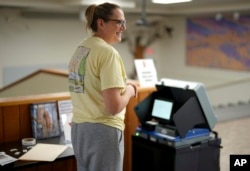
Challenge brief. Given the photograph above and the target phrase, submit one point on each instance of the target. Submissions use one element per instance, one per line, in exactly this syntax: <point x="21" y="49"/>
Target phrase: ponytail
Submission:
<point x="94" y="12"/>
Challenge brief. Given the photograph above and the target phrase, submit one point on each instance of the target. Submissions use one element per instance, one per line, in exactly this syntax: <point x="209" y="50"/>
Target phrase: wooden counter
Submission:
<point x="15" y="120"/>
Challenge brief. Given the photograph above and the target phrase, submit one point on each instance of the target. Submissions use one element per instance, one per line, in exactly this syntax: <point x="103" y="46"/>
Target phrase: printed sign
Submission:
<point x="146" y="72"/>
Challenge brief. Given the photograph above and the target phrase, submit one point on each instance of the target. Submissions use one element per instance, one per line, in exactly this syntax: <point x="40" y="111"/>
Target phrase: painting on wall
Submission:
<point x="223" y="43"/>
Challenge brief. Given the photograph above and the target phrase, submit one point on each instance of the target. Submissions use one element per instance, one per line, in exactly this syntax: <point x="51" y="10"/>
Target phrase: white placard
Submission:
<point x="65" y="111"/>
<point x="146" y="72"/>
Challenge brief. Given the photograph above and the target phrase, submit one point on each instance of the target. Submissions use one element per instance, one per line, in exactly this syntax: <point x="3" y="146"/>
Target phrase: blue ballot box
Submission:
<point x="193" y="136"/>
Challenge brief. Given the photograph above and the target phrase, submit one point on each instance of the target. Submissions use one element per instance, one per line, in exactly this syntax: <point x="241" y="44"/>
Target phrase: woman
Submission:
<point x="99" y="92"/>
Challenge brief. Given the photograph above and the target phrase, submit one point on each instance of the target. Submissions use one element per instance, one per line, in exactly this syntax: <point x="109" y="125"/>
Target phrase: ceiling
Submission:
<point x="196" y="7"/>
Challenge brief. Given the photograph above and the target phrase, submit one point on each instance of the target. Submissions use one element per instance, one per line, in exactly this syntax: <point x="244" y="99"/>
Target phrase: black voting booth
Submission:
<point x="191" y="110"/>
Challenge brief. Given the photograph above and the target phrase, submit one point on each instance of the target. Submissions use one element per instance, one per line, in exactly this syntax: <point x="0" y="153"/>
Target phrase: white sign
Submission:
<point x="65" y="111"/>
<point x="146" y="72"/>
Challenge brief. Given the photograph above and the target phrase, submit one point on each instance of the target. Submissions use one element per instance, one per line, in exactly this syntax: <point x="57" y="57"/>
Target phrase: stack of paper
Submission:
<point x="44" y="152"/>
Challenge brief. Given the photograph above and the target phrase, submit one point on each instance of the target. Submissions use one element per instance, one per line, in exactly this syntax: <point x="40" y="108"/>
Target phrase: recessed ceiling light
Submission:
<point x="169" y="1"/>
<point x="122" y="3"/>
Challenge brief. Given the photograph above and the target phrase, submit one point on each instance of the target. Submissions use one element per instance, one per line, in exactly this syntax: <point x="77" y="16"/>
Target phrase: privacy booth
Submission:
<point x="176" y="129"/>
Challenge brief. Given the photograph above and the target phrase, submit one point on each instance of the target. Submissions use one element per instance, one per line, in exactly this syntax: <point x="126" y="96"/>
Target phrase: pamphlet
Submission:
<point x="6" y="159"/>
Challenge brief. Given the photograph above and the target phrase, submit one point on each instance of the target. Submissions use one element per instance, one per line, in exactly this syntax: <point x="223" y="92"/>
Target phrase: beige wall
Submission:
<point x="41" y="83"/>
<point x="26" y="42"/>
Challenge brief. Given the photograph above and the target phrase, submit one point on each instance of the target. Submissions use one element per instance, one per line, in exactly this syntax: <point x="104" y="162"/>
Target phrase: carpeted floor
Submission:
<point x="235" y="135"/>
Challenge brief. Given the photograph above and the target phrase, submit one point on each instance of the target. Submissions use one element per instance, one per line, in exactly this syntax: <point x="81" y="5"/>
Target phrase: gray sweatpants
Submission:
<point x="97" y="147"/>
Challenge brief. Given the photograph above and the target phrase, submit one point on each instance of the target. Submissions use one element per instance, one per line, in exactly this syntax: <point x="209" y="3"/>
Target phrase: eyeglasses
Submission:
<point x="120" y="22"/>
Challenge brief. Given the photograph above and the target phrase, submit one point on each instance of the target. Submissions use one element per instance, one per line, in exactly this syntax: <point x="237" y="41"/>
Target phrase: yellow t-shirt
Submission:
<point x="94" y="67"/>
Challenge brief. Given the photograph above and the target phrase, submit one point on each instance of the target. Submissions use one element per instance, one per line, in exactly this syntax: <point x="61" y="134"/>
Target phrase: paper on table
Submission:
<point x="44" y="152"/>
<point x="6" y="159"/>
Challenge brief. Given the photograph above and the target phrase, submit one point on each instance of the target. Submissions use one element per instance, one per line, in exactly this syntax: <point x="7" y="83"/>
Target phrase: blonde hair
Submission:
<point x="94" y="12"/>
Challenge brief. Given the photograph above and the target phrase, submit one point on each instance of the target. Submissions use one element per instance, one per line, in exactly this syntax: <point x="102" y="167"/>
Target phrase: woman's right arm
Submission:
<point x="114" y="101"/>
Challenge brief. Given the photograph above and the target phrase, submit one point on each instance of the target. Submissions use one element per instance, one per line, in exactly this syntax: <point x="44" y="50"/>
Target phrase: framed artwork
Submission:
<point x="223" y="43"/>
<point x="45" y="120"/>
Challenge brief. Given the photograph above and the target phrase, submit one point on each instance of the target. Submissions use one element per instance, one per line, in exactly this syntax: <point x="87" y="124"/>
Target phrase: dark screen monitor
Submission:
<point x="162" y="110"/>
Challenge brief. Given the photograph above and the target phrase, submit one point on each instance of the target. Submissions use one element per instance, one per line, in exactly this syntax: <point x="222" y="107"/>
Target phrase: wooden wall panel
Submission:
<point x="1" y="125"/>
<point x="144" y="94"/>
<point x="44" y="166"/>
<point x="11" y="123"/>
<point x="30" y="168"/>
<point x="131" y="122"/>
<point x="25" y="121"/>
<point x="64" y="164"/>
